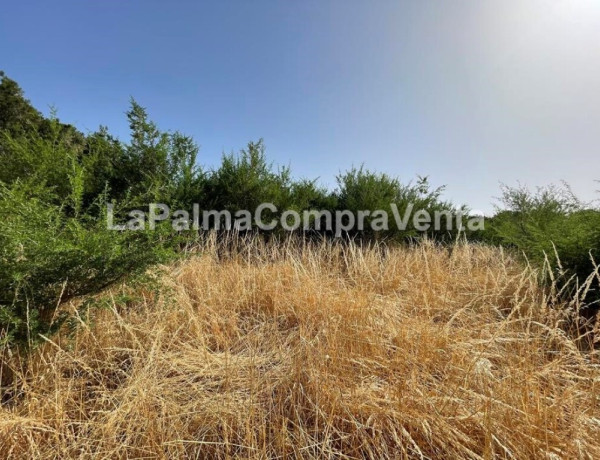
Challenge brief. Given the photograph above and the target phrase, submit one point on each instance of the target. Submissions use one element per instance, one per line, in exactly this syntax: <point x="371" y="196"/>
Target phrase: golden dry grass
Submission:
<point x="315" y="351"/>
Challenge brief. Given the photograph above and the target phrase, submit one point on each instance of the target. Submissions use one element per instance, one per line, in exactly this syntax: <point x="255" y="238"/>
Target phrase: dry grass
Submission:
<point x="319" y="351"/>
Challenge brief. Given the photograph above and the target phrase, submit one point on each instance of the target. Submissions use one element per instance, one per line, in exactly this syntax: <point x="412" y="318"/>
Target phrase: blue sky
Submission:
<point x="470" y="93"/>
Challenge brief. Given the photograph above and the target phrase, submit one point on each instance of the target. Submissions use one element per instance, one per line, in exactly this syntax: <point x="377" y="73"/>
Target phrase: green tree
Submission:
<point x="17" y="115"/>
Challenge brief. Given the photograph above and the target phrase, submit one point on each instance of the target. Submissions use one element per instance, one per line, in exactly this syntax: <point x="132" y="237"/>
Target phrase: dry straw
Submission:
<point x="323" y="350"/>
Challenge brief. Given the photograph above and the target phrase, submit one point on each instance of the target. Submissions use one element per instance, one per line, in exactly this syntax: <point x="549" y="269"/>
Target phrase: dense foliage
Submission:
<point x="550" y="226"/>
<point x="56" y="183"/>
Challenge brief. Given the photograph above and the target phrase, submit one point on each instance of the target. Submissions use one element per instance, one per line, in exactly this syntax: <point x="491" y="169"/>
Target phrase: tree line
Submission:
<point x="56" y="182"/>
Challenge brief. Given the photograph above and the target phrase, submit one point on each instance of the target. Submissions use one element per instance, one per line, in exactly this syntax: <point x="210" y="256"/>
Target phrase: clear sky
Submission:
<point x="471" y="93"/>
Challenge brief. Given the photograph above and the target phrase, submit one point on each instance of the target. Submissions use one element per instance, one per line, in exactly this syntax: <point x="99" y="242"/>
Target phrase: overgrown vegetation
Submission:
<point x="56" y="182"/>
<point x="551" y="226"/>
<point x="291" y="349"/>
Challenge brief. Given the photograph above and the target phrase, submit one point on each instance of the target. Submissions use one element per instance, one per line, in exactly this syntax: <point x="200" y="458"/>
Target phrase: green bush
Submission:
<point x="360" y="189"/>
<point x="549" y="224"/>
<point x="48" y="257"/>
<point x="245" y="181"/>
<point x="54" y="240"/>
